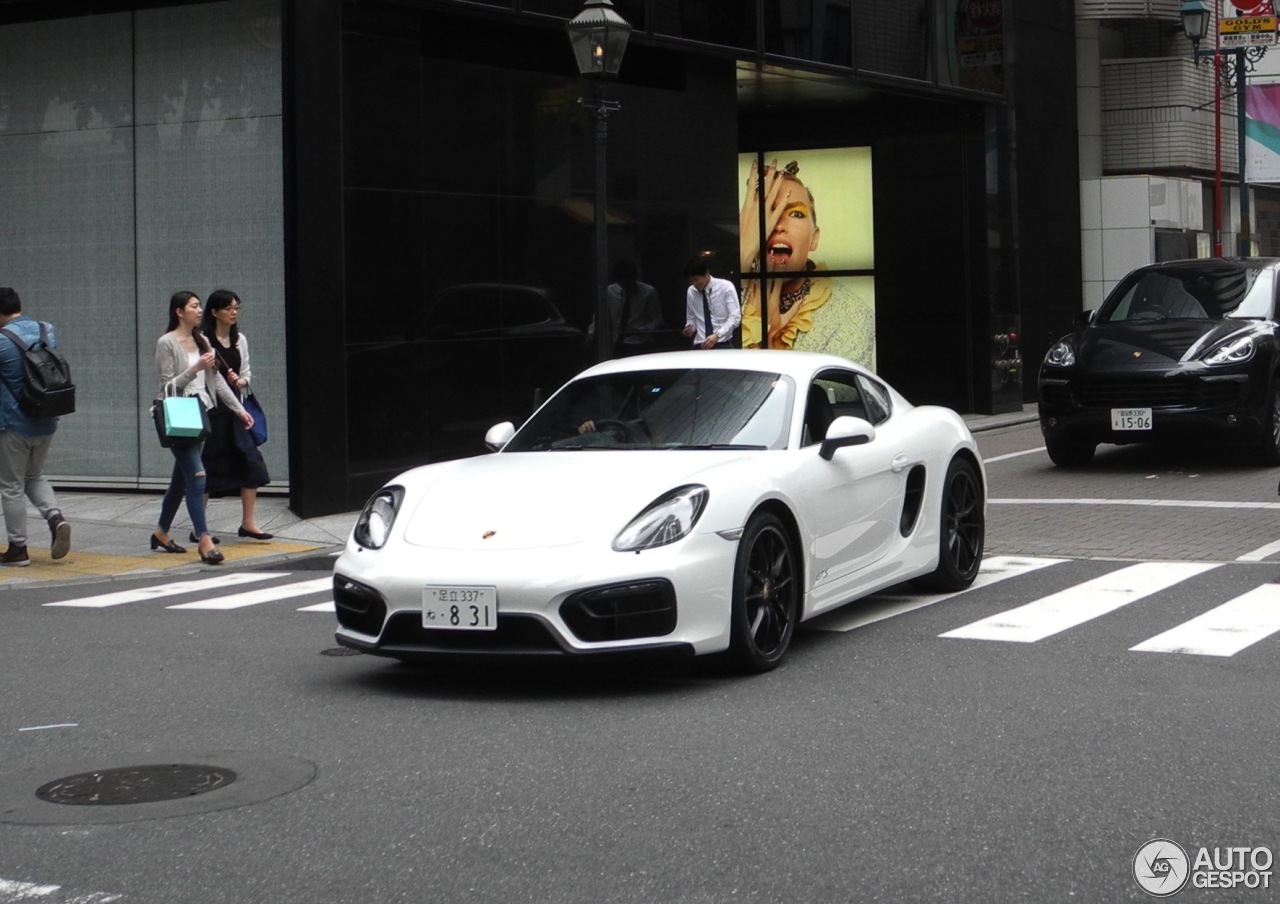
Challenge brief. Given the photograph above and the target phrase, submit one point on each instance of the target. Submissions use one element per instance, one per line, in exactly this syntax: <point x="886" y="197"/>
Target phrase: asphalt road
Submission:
<point x="883" y="762"/>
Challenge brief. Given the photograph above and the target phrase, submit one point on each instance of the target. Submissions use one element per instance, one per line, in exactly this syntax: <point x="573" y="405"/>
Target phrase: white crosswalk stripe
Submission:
<point x="1226" y="630"/>
<point x="1076" y="605"/>
<point x="263" y="595"/>
<point x="880" y="606"/>
<point x="178" y="588"/>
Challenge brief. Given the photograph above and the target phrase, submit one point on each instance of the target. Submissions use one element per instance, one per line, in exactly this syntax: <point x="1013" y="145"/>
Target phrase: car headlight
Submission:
<point x="666" y="520"/>
<point x="1060" y="355"/>
<point x="1233" y="352"/>
<point x="373" y="527"/>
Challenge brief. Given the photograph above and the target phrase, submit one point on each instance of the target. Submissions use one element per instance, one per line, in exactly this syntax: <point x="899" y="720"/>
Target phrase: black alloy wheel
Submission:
<point x="766" y="595"/>
<point x="962" y="528"/>
<point x="1269" y="445"/>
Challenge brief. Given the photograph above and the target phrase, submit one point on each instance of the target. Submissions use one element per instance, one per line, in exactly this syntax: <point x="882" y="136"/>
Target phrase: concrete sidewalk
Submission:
<point x="110" y="531"/>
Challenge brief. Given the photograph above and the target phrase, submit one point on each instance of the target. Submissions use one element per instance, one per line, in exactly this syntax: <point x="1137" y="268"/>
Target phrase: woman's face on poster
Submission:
<point x="796" y="235"/>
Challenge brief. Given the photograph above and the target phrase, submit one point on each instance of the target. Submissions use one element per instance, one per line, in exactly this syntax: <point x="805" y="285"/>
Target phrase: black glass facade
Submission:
<point x="439" y="193"/>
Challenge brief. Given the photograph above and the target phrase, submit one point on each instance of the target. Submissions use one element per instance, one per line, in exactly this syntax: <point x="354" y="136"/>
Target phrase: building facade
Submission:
<point x="1158" y="133"/>
<point x="403" y="194"/>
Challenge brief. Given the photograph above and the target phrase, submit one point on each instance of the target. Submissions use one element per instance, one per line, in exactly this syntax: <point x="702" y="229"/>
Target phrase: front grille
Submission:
<point x="622" y="611"/>
<point x="522" y="634"/>
<point x="358" y="607"/>
<point x="1164" y="394"/>
<point x="1184" y="393"/>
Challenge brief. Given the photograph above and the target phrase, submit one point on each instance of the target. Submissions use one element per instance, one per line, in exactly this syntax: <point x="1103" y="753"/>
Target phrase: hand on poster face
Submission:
<point x="749" y="219"/>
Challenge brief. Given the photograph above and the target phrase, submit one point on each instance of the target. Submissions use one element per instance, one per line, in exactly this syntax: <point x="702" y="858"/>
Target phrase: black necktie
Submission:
<point x="706" y="314"/>
<point x="621" y="331"/>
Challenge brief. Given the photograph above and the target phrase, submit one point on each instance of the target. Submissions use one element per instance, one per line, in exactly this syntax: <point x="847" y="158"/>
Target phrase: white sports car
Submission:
<point x="682" y="503"/>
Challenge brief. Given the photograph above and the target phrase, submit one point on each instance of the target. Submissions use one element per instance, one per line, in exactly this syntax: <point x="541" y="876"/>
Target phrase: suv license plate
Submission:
<point x="1130" y="418"/>
<point x="455" y="608"/>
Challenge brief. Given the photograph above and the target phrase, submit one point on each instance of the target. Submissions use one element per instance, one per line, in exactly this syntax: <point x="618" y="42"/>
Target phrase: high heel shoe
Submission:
<point x="212" y="557"/>
<point x="195" y="539"/>
<point x="254" y="535"/>
<point x="157" y="543"/>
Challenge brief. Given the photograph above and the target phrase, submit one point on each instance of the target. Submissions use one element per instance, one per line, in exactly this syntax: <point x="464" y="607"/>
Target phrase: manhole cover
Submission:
<point x="135" y="785"/>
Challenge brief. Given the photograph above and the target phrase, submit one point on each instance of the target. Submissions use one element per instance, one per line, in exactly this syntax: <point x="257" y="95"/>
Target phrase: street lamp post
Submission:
<point x="598" y="36"/>
<point x="1231" y="67"/>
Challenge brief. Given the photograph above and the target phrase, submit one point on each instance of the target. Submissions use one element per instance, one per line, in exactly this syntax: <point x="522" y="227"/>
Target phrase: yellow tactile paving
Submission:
<point x="89" y="564"/>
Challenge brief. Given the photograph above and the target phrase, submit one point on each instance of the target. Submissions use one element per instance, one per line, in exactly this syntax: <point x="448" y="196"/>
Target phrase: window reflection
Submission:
<point x="712" y="21"/>
<point x="807" y="30"/>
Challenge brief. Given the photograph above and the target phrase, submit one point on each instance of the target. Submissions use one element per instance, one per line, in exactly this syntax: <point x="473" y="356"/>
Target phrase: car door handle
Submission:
<point x="900" y="462"/>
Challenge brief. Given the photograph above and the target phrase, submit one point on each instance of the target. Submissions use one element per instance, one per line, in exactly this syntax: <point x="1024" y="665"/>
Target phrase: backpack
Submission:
<point x="47" y="390"/>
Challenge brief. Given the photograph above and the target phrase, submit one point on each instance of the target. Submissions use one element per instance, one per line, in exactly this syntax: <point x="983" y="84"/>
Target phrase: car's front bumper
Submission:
<point x="552" y="603"/>
<point x="1185" y="408"/>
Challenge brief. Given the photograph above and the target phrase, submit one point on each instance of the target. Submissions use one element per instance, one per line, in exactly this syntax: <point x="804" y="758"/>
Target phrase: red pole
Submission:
<point x="1217" y="144"/>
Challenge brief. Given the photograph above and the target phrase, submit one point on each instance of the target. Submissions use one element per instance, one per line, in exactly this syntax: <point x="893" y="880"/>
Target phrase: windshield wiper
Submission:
<point x="717" y="446"/>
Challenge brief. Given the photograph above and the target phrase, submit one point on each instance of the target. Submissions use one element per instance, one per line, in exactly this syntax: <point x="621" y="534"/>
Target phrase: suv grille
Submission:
<point x="1189" y="393"/>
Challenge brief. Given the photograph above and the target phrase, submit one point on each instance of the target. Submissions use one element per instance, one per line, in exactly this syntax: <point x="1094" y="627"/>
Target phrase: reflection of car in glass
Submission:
<point x="1179" y="350"/>
<point x="474" y="354"/>
<point x="680" y="503"/>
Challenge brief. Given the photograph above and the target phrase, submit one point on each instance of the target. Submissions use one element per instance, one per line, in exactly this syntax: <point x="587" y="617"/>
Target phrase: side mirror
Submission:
<point x="846" y="431"/>
<point x="499" y="435"/>
<point x="1083" y="319"/>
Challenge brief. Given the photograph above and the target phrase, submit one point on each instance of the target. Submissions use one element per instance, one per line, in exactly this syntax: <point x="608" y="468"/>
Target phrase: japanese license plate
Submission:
<point x="456" y="608"/>
<point x="1130" y="418"/>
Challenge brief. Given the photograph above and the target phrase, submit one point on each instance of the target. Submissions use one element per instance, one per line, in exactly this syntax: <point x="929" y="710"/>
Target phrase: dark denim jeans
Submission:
<point x="187" y="480"/>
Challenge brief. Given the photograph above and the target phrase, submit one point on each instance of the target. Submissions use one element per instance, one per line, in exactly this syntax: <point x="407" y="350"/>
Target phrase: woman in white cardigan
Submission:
<point x="186" y="364"/>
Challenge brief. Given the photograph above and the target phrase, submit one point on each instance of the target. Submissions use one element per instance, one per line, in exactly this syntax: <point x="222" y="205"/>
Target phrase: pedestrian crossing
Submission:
<point x="1226" y="622"/>
<point x="1223" y="630"/>
<point x="223" y="602"/>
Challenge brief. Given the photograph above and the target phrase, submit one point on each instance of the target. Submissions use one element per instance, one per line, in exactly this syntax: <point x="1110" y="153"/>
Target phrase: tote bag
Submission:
<point x="179" y="419"/>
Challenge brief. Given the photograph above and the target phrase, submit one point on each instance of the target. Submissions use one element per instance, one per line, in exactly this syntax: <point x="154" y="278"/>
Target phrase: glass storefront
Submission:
<point x="143" y="154"/>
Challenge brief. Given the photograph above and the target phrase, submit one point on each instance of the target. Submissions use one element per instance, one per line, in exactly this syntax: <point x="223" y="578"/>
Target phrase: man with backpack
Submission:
<point x="24" y="438"/>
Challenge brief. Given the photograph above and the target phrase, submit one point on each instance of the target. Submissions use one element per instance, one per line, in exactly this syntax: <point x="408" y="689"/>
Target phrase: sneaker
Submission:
<point x="15" y="556"/>
<point x="61" y="532"/>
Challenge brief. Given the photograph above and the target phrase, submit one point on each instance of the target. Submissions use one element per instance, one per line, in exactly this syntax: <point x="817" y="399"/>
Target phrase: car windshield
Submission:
<point x="663" y="409"/>
<point x="1204" y="292"/>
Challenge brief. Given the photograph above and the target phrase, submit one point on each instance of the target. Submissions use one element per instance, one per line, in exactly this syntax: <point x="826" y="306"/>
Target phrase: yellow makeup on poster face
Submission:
<point x="798" y="211"/>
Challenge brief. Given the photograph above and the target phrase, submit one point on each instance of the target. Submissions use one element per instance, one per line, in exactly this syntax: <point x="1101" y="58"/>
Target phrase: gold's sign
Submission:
<point x="1248" y="25"/>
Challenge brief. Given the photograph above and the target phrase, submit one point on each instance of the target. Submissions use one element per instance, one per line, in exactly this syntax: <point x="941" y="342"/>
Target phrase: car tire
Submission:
<point x="1268" y="450"/>
<point x="1067" y="454"/>
<point x="962" y="526"/>
<point x="766" y="595"/>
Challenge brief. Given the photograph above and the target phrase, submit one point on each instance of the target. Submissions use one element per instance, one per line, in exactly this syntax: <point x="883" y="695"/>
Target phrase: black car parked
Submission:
<point x="1179" y="351"/>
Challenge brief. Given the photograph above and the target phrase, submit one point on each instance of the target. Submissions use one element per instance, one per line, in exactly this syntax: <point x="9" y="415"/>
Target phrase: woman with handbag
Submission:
<point x="232" y="461"/>
<point x="187" y="367"/>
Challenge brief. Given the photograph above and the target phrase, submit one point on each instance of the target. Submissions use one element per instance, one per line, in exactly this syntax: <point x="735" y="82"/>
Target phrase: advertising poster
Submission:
<point x="807" y="217"/>
<point x="1262" y="133"/>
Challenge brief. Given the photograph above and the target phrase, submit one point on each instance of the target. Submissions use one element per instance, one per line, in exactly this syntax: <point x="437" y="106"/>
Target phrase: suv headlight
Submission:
<point x="373" y="527"/>
<point x="667" y="519"/>
<point x="1233" y="352"/>
<point x="1060" y="355"/>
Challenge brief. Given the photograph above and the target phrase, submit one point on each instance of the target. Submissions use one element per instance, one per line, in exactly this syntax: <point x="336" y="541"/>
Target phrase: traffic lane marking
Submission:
<point x="14" y="891"/>
<point x="1076" y="605"/>
<point x="1168" y="503"/>
<point x="263" y="595"/>
<point x="158" y="591"/>
<point x="995" y="458"/>
<point x="1226" y="629"/>
<point x="880" y="606"/>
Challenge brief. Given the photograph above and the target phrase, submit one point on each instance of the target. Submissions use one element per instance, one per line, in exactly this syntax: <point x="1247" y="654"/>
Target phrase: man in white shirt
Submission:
<point x="712" y="311"/>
